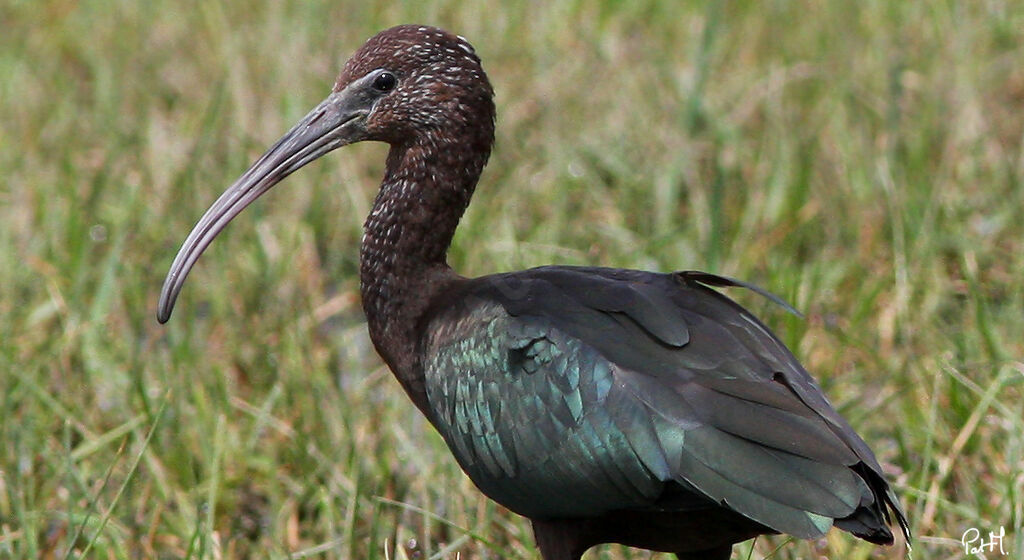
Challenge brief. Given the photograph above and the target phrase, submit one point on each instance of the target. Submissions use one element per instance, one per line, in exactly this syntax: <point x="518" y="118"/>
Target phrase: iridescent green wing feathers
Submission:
<point x="562" y="390"/>
<point x="521" y="406"/>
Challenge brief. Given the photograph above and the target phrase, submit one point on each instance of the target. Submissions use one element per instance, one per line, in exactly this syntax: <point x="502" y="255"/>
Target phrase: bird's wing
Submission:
<point x="565" y="390"/>
<point x="522" y="407"/>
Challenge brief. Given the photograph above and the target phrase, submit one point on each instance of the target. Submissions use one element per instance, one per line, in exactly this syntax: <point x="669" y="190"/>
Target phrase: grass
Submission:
<point x="864" y="160"/>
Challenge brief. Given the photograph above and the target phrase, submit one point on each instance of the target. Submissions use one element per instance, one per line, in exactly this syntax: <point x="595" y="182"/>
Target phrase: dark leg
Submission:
<point x="561" y="540"/>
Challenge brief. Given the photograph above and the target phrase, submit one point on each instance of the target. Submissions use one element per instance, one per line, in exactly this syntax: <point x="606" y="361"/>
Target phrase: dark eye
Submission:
<point x="385" y="81"/>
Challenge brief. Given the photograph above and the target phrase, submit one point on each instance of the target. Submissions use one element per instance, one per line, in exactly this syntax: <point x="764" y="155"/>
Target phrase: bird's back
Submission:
<point x="570" y="393"/>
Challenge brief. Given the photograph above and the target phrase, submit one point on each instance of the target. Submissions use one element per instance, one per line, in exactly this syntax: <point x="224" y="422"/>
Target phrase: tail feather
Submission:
<point x="871" y="520"/>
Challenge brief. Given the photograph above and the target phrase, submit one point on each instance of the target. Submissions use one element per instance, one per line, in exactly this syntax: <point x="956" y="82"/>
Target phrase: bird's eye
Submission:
<point x="385" y="81"/>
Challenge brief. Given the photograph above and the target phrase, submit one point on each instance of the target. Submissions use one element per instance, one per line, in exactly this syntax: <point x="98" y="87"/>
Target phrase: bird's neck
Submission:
<point x="426" y="188"/>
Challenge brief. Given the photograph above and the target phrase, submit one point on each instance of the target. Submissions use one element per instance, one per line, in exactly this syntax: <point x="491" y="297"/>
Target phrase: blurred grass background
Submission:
<point x="862" y="159"/>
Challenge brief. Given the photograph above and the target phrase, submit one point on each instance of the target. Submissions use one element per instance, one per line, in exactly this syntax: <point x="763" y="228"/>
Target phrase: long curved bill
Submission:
<point x="335" y="122"/>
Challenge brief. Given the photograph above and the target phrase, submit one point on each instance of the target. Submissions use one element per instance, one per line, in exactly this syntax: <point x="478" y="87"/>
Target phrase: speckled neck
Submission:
<point x="426" y="188"/>
<point x="414" y="216"/>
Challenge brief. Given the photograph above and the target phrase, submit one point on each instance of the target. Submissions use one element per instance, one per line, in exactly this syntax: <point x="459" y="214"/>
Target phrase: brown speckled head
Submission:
<point x="439" y="84"/>
<point x="421" y="90"/>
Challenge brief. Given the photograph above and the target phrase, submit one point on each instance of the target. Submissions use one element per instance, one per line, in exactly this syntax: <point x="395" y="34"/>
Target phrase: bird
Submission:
<point x="605" y="405"/>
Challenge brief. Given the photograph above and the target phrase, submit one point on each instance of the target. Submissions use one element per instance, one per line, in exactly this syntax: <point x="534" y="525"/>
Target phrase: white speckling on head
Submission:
<point x="439" y="121"/>
<point x="465" y="45"/>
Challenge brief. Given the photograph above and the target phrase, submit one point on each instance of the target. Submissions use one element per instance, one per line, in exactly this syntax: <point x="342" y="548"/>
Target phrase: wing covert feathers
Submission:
<point x="572" y="391"/>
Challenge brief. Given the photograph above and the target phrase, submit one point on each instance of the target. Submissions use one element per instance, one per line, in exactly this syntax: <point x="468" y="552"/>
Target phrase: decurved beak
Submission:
<point x="334" y="123"/>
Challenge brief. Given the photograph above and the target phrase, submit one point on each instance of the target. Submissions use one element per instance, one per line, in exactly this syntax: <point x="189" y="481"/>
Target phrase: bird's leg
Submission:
<point x="561" y="539"/>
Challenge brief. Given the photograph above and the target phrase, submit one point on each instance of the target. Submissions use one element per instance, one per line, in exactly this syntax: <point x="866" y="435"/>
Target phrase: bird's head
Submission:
<point x="410" y="81"/>
<point x="406" y="85"/>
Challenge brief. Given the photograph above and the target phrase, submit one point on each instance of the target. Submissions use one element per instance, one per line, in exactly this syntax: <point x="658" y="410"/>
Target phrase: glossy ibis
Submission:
<point x="605" y="405"/>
